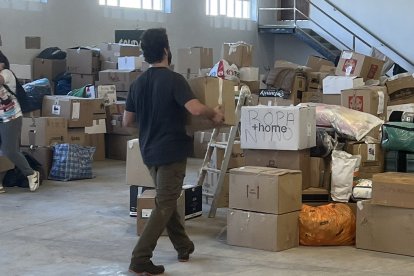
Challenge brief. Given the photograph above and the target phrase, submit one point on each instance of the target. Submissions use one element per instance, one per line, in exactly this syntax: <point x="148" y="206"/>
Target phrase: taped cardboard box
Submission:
<point x="81" y="80"/>
<point x="278" y="127"/>
<point x="77" y="111"/>
<point x="368" y="99"/>
<point x="137" y="172"/>
<point x="358" y="65"/>
<point x="262" y="231"/>
<point x="48" y="68"/>
<point x="284" y="159"/>
<point x="312" y="97"/>
<point x="239" y="53"/>
<point x="97" y="141"/>
<point x="191" y="60"/>
<point x="193" y="201"/>
<point x="266" y="190"/>
<point x="77" y="136"/>
<point x="335" y="84"/>
<point x="316" y="62"/>
<point x="249" y="74"/>
<point x="112" y="51"/>
<point x="393" y="189"/>
<point x="43" y="131"/>
<point x="82" y="61"/>
<point x="371" y="153"/>
<point x="384" y="229"/>
<point x="122" y="79"/>
<point x="146" y="204"/>
<point x="213" y="92"/>
<point x="315" y="81"/>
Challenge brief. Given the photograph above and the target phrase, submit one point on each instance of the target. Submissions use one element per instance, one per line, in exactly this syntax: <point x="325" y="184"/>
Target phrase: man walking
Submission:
<point x="158" y="102"/>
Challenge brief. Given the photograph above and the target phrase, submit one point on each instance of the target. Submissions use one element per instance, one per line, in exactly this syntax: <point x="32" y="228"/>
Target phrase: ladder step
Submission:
<point x="218" y="145"/>
<point x="211" y="170"/>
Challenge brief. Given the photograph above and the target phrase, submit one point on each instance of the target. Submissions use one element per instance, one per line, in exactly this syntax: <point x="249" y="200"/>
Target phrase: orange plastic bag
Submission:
<point x="332" y="224"/>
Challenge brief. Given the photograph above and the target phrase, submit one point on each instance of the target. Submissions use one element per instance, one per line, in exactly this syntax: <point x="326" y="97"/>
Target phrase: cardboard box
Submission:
<point x="145" y="206"/>
<point x="358" y="65"/>
<point x="105" y="65"/>
<point x="315" y="63"/>
<point x="239" y="53"/>
<point x="262" y="231"/>
<point x="79" y="80"/>
<point x="48" y="68"/>
<point x="82" y="61"/>
<point x="319" y="172"/>
<point x="129" y="63"/>
<point x="99" y="126"/>
<point x="107" y="93"/>
<point x="254" y="86"/>
<point x="112" y="51"/>
<point x="266" y="190"/>
<point x="393" y="189"/>
<point x="97" y="141"/>
<point x="384" y="229"/>
<point x="284" y="159"/>
<point x="77" y="111"/>
<point x="5" y="164"/>
<point x="210" y="187"/>
<point x="43" y="155"/>
<point x="193" y="201"/>
<point x="401" y="89"/>
<point x="98" y="108"/>
<point x="371" y="153"/>
<point x="249" y="74"/>
<point x="137" y="172"/>
<point x="278" y="127"/>
<point x="328" y="69"/>
<point x="312" y="97"/>
<point x="116" y="145"/>
<point x="315" y="81"/>
<point x="191" y="60"/>
<point x="114" y="126"/>
<point x="335" y="84"/>
<point x="236" y="157"/>
<point x="213" y="92"/>
<point x="122" y="79"/>
<point x="43" y="131"/>
<point x="401" y="107"/>
<point x="368" y="99"/>
<point x="77" y="136"/>
<point x="331" y="99"/>
<point x="272" y="96"/>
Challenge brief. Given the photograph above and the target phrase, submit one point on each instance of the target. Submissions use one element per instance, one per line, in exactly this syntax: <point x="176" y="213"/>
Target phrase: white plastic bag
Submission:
<point x="224" y="70"/>
<point x="343" y="167"/>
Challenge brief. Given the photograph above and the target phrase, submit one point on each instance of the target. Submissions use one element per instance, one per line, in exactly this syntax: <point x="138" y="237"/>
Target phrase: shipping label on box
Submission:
<point x="267" y="190"/>
<point x="278" y="127"/>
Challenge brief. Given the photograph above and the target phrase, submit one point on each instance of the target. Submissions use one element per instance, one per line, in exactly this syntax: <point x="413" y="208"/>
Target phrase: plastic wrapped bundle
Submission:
<point x="324" y="142"/>
<point x="398" y="136"/>
<point x="333" y="224"/>
<point x="35" y="91"/>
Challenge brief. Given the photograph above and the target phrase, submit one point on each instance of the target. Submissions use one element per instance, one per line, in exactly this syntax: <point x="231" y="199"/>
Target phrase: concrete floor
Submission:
<point x="84" y="228"/>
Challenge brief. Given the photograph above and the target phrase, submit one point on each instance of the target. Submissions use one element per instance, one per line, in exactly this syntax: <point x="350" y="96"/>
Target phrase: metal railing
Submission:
<point x="294" y="24"/>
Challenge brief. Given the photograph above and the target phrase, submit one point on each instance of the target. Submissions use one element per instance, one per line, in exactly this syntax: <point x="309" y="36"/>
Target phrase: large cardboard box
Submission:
<point x="137" y="172"/>
<point x="262" y="231"/>
<point x="77" y="136"/>
<point x="210" y="187"/>
<point x="97" y="141"/>
<point x="116" y="146"/>
<point x="82" y="61"/>
<point x="48" y="68"/>
<point x="77" y="111"/>
<point x="401" y="107"/>
<point x="114" y="126"/>
<point x="334" y="99"/>
<point x="278" y="127"/>
<point x="312" y="97"/>
<point x="80" y="80"/>
<point x="335" y="84"/>
<point x="146" y="204"/>
<point x="385" y="229"/>
<point x="5" y="164"/>
<point x="315" y="81"/>
<point x="122" y="79"/>
<point x="129" y="63"/>
<point x="284" y="159"/>
<point x="240" y="54"/>
<point x="107" y="93"/>
<point x="249" y="74"/>
<point x="266" y="190"/>
<point x="393" y="189"/>
<point x="112" y="51"/>
<point x="43" y="131"/>
<point x="213" y="92"/>
<point x="371" y="153"/>
<point x="358" y="65"/>
<point x="401" y="89"/>
<point x="369" y="99"/>
<point x="320" y="172"/>
<point x="191" y="60"/>
<point x="236" y="157"/>
<point x="105" y="65"/>
<point x="43" y="155"/>
<point x="315" y="63"/>
<point x="273" y="96"/>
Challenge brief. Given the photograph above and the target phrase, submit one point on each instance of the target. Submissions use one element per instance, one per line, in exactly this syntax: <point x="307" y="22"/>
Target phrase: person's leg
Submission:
<point x="168" y="183"/>
<point x="10" y="146"/>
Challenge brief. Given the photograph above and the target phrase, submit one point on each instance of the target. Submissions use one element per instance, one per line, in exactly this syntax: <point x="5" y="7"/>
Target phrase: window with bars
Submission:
<point x="155" y="5"/>
<point x="244" y="9"/>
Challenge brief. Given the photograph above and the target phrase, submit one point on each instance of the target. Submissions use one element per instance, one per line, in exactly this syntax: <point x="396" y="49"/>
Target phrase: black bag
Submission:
<point x="21" y="96"/>
<point x="52" y="53"/>
<point x="15" y="178"/>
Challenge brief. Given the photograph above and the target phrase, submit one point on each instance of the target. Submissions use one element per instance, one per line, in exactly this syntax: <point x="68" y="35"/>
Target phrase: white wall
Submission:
<point x="65" y="24"/>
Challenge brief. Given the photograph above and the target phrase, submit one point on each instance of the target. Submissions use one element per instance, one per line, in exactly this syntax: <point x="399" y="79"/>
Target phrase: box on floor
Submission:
<point x="384" y="228"/>
<point x="82" y="61"/>
<point x="369" y="99"/>
<point x="43" y="131"/>
<point x="48" y="68"/>
<point x="191" y="60"/>
<point x="97" y="141"/>
<point x="358" y="65"/>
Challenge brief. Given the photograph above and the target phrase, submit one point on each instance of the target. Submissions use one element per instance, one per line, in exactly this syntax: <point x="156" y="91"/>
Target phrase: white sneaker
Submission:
<point x="33" y="181"/>
<point x="2" y="190"/>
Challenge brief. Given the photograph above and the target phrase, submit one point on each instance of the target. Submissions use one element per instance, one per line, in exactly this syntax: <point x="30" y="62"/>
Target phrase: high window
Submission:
<point x="155" y="5"/>
<point x="244" y="9"/>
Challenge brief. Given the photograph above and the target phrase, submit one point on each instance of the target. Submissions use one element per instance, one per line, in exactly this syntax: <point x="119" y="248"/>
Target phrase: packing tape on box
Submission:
<point x="381" y="102"/>
<point x="220" y="99"/>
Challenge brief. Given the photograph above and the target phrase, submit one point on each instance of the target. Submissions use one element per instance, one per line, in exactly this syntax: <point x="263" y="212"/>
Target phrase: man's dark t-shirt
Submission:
<point x="157" y="97"/>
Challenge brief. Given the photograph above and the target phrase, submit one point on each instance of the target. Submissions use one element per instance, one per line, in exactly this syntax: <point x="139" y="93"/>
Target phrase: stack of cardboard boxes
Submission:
<point x="83" y="64"/>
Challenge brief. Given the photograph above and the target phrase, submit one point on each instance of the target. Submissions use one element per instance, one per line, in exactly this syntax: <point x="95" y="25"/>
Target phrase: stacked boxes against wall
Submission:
<point x="83" y="64"/>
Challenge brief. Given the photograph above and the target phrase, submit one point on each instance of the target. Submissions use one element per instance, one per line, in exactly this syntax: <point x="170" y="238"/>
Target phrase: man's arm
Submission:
<point x="128" y="120"/>
<point x="196" y="108"/>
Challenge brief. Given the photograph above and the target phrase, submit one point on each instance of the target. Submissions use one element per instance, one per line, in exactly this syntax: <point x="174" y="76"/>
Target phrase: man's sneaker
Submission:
<point x="147" y="269"/>
<point x="185" y="255"/>
<point x="2" y="190"/>
<point x="33" y="181"/>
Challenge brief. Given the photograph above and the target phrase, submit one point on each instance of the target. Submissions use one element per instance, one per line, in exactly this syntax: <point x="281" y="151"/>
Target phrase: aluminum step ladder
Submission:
<point x="243" y="99"/>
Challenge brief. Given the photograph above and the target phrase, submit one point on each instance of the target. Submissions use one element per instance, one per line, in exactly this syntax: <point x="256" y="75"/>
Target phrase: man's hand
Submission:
<point x="218" y="117"/>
